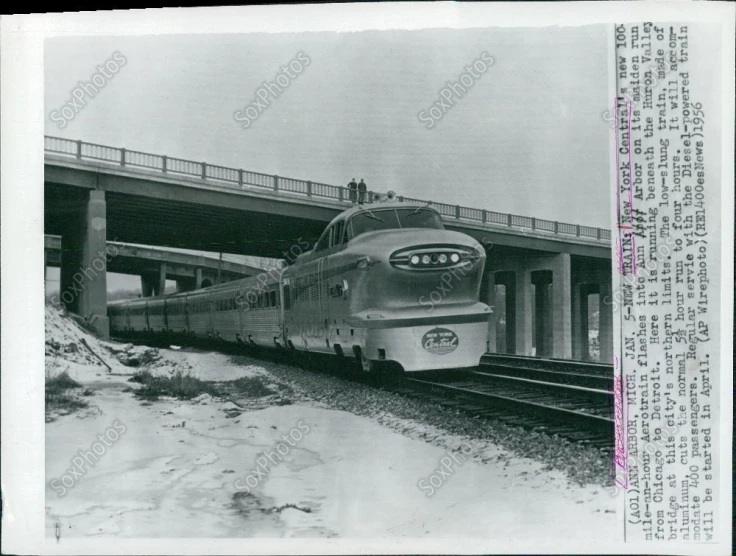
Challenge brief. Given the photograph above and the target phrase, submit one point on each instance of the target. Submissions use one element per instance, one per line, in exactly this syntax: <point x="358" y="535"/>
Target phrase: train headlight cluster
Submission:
<point x="433" y="259"/>
<point x="429" y="257"/>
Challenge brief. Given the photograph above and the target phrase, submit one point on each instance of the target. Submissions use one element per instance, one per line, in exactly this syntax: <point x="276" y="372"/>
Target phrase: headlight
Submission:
<point x="429" y="257"/>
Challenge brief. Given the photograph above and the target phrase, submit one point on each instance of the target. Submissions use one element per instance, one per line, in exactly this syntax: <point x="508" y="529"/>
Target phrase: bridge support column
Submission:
<point x="605" y="319"/>
<point x="579" y="338"/>
<point x="543" y="321"/>
<point x="161" y="279"/>
<point x="577" y="328"/>
<point x="198" y="278"/>
<point x="148" y="285"/>
<point x="83" y="273"/>
<point x="561" y="306"/>
<point x="597" y="283"/>
<point x="185" y="284"/>
<point x="523" y="312"/>
<point x="505" y="343"/>
<point x="491" y="302"/>
<point x="580" y="321"/>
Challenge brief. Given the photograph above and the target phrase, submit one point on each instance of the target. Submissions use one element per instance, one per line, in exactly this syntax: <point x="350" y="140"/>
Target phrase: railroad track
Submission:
<point x="553" y="364"/>
<point x="580" y="378"/>
<point x="578" y="413"/>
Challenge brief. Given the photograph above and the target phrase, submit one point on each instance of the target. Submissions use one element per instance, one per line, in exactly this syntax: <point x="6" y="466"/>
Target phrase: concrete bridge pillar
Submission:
<point x="577" y="325"/>
<point x="581" y="325"/>
<point x="598" y="283"/>
<point x="491" y="302"/>
<point x="523" y="312"/>
<point x="543" y="313"/>
<point x="505" y="307"/>
<point x="154" y="284"/>
<point x="605" y="318"/>
<point x="161" y="279"/>
<point x="148" y="285"/>
<point x="561" y="308"/>
<point x="185" y="284"/>
<point x="83" y="276"/>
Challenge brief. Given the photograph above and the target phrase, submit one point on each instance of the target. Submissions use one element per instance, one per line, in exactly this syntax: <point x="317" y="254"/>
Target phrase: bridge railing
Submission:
<point x="238" y="178"/>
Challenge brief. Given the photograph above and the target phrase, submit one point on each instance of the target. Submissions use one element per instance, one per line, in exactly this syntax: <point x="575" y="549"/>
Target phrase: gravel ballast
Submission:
<point x="441" y="426"/>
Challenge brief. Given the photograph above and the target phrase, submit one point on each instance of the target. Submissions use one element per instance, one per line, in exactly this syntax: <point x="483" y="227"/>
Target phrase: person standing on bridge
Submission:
<point x="353" y="187"/>
<point x="362" y="188"/>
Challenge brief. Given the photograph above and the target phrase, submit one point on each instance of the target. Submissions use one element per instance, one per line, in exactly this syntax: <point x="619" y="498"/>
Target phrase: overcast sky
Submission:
<point x="528" y="137"/>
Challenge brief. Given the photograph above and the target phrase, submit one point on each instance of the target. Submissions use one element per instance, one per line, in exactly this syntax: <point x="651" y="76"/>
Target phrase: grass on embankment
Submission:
<point x="184" y="386"/>
<point x="58" y="398"/>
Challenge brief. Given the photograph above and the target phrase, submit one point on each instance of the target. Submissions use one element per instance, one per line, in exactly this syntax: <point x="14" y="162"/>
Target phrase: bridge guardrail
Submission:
<point x="241" y="179"/>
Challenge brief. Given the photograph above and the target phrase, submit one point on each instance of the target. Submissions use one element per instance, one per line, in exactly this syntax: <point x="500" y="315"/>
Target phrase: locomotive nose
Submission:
<point x="410" y="267"/>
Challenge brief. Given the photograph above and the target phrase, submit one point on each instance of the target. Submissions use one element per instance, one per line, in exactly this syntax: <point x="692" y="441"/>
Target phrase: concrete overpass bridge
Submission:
<point x="545" y="271"/>
<point x="190" y="269"/>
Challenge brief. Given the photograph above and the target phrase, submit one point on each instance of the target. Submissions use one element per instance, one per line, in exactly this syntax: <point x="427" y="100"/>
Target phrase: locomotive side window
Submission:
<point x="338" y="236"/>
<point x="324" y="240"/>
<point x="287" y="298"/>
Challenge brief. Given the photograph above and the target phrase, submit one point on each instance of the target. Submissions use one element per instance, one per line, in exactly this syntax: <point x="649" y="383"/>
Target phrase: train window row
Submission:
<point x="175" y="309"/>
<point x="225" y="305"/>
<point x="265" y="300"/>
<point x="157" y="309"/>
<point x="199" y="306"/>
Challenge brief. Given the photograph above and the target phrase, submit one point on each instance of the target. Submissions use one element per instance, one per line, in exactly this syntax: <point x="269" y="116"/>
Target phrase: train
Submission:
<point x="385" y="285"/>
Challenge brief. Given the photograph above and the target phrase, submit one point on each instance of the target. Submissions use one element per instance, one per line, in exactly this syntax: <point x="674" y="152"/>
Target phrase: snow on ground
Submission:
<point x="65" y="348"/>
<point x="196" y="468"/>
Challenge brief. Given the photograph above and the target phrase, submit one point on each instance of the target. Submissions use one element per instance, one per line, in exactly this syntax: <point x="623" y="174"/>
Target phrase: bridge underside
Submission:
<point x="547" y="286"/>
<point x="176" y="223"/>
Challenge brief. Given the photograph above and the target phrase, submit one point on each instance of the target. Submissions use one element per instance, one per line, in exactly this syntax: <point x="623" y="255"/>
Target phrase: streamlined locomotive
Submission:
<point x="385" y="283"/>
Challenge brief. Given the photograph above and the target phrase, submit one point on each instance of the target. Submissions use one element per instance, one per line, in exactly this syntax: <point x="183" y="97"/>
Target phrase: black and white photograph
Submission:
<point x="350" y="281"/>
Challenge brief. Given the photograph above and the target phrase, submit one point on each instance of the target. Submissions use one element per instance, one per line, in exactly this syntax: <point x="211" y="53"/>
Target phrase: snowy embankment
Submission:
<point x="276" y="454"/>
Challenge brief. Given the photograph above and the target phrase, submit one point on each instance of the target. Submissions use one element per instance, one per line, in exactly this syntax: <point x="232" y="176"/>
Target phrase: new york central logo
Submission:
<point x="440" y="341"/>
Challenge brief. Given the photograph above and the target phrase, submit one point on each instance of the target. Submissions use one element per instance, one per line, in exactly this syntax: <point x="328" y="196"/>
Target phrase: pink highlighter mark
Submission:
<point x="621" y="456"/>
<point x="630" y="109"/>
<point x="618" y="183"/>
<point x="621" y="226"/>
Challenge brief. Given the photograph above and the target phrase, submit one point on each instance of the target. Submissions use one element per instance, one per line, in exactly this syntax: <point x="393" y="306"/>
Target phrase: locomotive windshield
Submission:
<point x="390" y="219"/>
